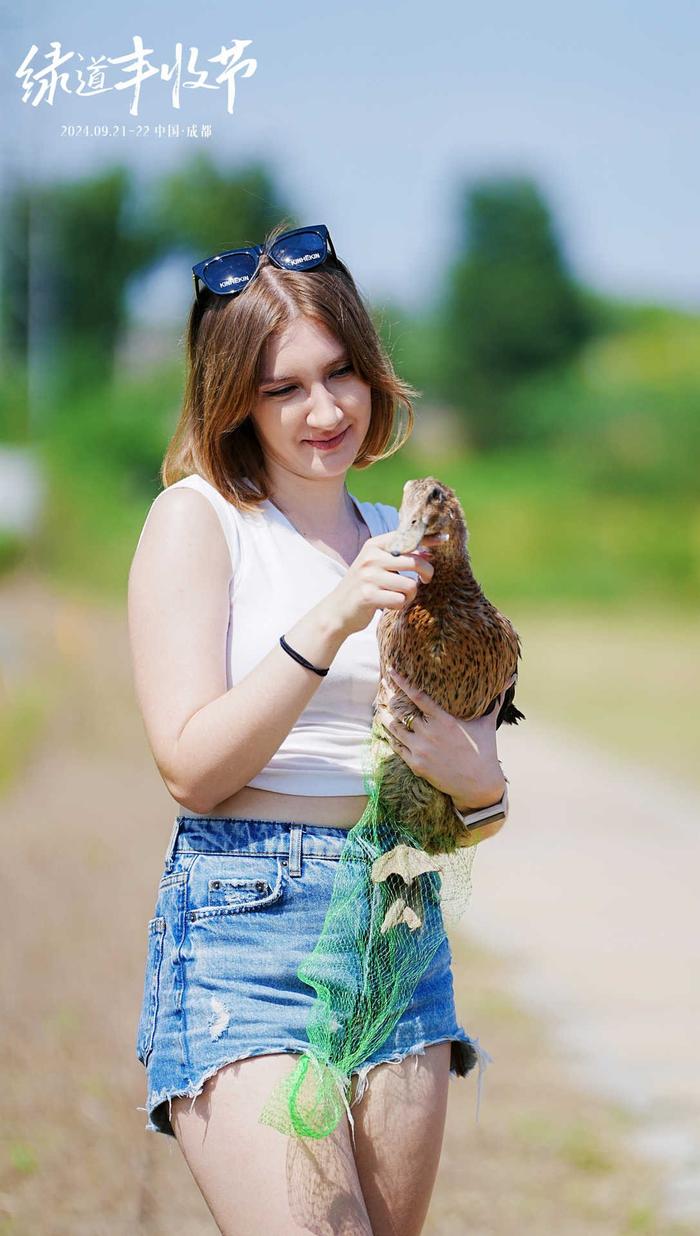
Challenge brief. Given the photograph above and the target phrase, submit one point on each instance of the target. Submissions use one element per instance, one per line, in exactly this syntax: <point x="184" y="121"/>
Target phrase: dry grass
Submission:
<point x="84" y="830"/>
<point x="628" y="680"/>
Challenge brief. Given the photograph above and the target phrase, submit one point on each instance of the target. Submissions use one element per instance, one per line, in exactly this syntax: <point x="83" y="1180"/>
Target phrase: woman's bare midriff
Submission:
<point x="341" y="811"/>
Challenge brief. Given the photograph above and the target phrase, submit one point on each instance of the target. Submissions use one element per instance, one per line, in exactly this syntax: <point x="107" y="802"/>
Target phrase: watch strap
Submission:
<point x="485" y="815"/>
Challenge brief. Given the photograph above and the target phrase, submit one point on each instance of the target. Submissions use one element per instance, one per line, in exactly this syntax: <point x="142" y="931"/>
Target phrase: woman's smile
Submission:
<point x="329" y="443"/>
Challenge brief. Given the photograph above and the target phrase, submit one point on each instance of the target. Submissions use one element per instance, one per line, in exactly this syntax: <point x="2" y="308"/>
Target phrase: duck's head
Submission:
<point x="429" y="509"/>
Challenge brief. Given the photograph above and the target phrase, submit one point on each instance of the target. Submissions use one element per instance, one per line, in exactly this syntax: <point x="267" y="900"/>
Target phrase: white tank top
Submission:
<point x="277" y="576"/>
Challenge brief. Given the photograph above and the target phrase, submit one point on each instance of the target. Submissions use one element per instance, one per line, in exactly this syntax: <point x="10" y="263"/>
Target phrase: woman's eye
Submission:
<point x="284" y="390"/>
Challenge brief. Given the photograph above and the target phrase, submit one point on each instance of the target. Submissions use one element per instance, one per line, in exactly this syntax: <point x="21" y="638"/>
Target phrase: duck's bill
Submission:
<point x="407" y="540"/>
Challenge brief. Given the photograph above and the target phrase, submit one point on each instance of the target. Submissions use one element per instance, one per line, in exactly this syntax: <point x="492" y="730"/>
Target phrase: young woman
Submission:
<point x="255" y="536"/>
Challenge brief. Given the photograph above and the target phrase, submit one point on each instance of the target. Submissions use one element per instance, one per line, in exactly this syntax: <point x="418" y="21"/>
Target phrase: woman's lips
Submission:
<point x="329" y="443"/>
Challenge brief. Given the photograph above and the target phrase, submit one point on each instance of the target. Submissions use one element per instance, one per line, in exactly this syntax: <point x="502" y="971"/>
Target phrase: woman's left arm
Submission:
<point x="458" y="757"/>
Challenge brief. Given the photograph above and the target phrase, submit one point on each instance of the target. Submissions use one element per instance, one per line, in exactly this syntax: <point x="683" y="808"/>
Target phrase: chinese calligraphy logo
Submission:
<point x="40" y="84"/>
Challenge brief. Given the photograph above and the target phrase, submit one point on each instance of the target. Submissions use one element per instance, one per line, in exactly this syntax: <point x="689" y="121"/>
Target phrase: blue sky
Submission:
<point x="374" y="116"/>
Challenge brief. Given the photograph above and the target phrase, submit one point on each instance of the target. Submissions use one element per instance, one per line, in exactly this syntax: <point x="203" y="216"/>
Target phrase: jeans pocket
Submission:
<point x="149" y="1004"/>
<point x="225" y="885"/>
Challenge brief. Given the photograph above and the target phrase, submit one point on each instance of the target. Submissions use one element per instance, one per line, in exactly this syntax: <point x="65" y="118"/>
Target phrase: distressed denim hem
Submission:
<point x="159" y="1122"/>
<point x="465" y="1053"/>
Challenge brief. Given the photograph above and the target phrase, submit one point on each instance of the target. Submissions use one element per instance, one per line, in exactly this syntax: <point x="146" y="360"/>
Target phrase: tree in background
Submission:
<point x="203" y="209"/>
<point x="71" y="248"/>
<point x="15" y="425"/>
<point x="14" y="286"/>
<point x="510" y="307"/>
<point x="68" y="255"/>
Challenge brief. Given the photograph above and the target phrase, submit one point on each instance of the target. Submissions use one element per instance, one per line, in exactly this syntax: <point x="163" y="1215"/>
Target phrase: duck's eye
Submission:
<point x="433" y="497"/>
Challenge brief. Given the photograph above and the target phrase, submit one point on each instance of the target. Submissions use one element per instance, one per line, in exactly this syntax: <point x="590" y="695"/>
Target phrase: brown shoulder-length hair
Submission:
<point x="215" y="435"/>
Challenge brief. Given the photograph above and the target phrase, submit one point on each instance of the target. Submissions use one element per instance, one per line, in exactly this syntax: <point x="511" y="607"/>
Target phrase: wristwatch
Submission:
<point x="485" y="815"/>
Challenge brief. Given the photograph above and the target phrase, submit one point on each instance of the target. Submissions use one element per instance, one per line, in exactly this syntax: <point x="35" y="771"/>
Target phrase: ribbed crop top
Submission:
<point x="276" y="577"/>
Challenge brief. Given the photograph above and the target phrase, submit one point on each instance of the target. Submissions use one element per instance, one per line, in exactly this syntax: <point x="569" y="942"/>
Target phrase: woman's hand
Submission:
<point x="458" y="757"/>
<point x="373" y="582"/>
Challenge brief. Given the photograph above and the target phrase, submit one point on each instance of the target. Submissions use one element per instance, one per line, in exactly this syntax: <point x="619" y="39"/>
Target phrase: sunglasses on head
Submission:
<point x="227" y="274"/>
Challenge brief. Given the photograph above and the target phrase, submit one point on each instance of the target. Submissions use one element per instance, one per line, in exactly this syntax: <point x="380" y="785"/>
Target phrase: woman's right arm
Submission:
<point x="208" y="741"/>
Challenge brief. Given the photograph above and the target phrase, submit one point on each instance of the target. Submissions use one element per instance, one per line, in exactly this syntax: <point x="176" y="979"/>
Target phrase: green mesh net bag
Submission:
<point x="383" y="927"/>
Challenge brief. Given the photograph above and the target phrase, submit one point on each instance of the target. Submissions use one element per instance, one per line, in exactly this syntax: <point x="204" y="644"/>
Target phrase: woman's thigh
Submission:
<point x="254" y="1178"/>
<point x="399" y="1128"/>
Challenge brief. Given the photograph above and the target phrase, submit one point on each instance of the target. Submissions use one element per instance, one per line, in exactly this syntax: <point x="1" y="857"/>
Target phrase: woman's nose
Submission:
<point x="325" y="414"/>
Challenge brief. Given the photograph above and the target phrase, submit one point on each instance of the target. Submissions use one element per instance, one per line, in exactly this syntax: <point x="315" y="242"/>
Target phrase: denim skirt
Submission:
<point x="240" y="904"/>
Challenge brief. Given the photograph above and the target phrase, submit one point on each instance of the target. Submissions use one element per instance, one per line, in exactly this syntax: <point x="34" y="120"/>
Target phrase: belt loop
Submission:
<point x="295" y="849"/>
<point x="168" y="864"/>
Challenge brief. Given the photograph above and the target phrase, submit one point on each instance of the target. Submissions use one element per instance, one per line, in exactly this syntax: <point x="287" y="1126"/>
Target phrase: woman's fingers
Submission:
<point x="418" y="563"/>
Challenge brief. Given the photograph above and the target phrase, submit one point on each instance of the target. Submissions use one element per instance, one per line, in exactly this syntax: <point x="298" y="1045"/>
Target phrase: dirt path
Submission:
<point x="84" y="828"/>
<point x="592" y="888"/>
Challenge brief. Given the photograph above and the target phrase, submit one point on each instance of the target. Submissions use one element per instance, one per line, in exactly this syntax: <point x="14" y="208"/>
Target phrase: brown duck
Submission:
<point x="450" y="642"/>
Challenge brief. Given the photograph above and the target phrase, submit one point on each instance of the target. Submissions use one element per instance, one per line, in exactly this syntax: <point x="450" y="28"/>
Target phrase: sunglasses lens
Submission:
<point x="229" y="274"/>
<point x="300" y="252"/>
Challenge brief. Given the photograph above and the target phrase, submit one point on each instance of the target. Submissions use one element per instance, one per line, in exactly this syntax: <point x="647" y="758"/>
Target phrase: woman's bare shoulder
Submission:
<point x="178" y="611"/>
<point x="182" y="531"/>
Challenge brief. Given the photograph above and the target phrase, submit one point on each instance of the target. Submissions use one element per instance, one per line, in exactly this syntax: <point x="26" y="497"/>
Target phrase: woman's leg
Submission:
<point x="255" y="1179"/>
<point x="399" y="1127"/>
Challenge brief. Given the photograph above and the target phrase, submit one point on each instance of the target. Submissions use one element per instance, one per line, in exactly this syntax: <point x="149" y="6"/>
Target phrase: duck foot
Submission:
<point x="403" y="860"/>
<point x="399" y="912"/>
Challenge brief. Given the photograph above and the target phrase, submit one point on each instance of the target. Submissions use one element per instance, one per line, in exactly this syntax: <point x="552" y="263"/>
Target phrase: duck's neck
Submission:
<point x="454" y="572"/>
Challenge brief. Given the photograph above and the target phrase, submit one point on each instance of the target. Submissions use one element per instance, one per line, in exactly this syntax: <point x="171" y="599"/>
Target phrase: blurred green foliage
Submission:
<point x="580" y="411"/>
<point x="74" y="247"/>
<point x="543" y="526"/>
<point x="70" y="250"/>
<point x="510" y="307"/>
<point x="200" y="208"/>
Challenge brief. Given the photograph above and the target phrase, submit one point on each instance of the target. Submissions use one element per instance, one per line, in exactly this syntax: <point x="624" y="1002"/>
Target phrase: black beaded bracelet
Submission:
<point x="302" y="660"/>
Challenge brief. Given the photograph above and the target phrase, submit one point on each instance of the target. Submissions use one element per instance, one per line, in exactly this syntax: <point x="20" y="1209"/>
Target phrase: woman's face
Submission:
<point x="310" y="393"/>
